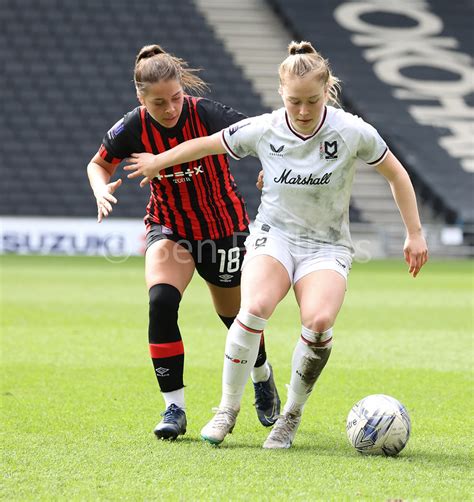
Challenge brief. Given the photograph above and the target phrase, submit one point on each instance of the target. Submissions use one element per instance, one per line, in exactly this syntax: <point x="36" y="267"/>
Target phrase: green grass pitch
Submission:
<point x="79" y="398"/>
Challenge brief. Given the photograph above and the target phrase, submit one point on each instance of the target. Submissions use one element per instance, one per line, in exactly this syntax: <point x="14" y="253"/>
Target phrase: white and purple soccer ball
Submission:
<point x="378" y="425"/>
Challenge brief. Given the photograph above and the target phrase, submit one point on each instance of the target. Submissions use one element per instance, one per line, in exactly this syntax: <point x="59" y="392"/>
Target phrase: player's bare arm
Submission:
<point x="149" y="165"/>
<point x="99" y="172"/>
<point x="259" y="183"/>
<point x="415" y="248"/>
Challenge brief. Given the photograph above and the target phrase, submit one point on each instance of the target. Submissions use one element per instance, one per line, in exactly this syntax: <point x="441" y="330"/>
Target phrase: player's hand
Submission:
<point x="416" y="253"/>
<point x="142" y="164"/>
<point x="259" y="183"/>
<point x="105" y="199"/>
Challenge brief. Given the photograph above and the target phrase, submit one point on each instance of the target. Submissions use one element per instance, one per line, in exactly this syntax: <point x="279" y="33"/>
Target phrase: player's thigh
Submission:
<point x="265" y="282"/>
<point x="320" y="296"/>
<point x="226" y="300"/>
<point x="167" y="262"/>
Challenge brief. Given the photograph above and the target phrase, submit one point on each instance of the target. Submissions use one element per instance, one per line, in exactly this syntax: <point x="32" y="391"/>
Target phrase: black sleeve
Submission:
<point x="123" y="138"/>
<point x="217" y="116"/>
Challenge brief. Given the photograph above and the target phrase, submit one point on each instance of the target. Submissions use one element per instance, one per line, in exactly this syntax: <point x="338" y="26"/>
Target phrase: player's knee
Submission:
<point x="317" y="340"/>
<point x="164" y="300"/>
<point x="320" y="322"/>
<point x="258" y="308"/>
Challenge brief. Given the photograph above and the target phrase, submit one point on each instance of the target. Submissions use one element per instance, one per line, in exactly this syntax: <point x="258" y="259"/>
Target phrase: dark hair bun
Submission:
<point x="301" y="48"/>
<point x="148" y="52"/>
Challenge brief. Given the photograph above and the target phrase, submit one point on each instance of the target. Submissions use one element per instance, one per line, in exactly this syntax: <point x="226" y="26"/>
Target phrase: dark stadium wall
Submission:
<point x="68" y="70"/>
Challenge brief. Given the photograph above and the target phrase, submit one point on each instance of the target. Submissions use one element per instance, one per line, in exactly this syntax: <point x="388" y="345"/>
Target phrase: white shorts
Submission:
<point x="298" y="260"/>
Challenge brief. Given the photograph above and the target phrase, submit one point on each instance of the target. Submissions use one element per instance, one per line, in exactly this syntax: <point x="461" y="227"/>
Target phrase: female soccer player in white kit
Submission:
<point x="300" y="238"/>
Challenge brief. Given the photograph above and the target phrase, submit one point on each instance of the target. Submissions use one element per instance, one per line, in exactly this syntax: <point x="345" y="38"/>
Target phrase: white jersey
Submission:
<point x="307" y="180"/>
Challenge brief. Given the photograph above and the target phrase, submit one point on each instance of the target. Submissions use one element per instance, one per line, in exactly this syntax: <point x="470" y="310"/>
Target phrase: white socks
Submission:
<point x="243" y="340"/>
<point x="261" y="374"/>
<point x="309" y="358"/>
<point x="241" y="350"/>
<point x="174" y="397"/>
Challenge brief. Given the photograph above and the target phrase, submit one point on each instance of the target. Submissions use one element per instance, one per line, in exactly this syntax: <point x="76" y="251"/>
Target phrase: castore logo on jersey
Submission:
<point x="276" y="151"/>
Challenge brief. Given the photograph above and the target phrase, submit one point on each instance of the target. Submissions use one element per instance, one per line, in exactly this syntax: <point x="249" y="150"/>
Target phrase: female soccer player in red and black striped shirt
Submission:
<point x="195" y="219"/>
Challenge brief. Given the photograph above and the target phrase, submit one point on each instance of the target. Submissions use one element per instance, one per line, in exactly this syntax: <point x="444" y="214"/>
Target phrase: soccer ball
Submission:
<point x="378" y="425"/>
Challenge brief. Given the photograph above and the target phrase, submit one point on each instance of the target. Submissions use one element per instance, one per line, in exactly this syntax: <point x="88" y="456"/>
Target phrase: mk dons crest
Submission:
<point x="328" y="150"/>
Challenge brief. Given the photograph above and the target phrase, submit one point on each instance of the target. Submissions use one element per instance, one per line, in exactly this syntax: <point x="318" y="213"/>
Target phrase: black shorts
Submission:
<point x="217" y="261"/>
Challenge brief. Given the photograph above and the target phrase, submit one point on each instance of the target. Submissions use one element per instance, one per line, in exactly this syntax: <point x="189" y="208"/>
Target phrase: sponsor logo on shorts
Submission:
<point x="226" y="277"/>
<point x="166" y="230"/>
<point x="260" y="242"/>
<point x="340" y="263"/>
<point x="265" y="227"/>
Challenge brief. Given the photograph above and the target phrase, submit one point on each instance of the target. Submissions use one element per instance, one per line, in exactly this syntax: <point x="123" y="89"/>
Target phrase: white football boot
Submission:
<point x="220" y="425"/>
<point x="283" y="431"/>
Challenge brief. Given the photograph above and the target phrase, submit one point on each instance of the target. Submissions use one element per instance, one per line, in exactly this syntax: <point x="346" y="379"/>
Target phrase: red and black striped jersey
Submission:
<point x="197" y="200"/>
